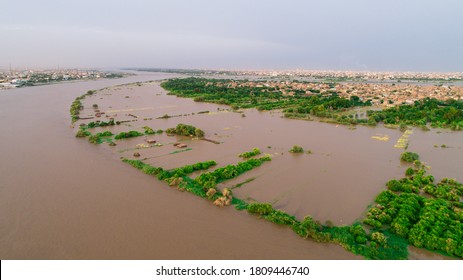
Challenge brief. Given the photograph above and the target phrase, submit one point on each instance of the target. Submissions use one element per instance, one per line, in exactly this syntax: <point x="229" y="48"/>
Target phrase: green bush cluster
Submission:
<point x="447" y="189"/>
<point x="296" y="149"/>
<point x="129" y="134"/>
<point x="82" y="133"/>
<point x="409" y="156"/>
<point x="98" y="138"/>
<point x="374" y="245"/>
<point x="101" y="124"/>
<point x="186" y="130"/>
<point x="252" y="153"/>
<point x="187" y="169"/>
<point x="266" y="211"/>
<point x="149" y="130"/>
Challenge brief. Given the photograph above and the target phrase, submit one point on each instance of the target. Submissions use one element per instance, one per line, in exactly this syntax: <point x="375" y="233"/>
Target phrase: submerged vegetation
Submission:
<point x="205" y="184"/>
<point x="401" y="216"/>
<point x="100" y="137"/>
<point x="249" y="154"/>
<point x="413" y="210"/>
<point x="128" y="134"/>
<point x="101" y="124"/>
<point x="77" y="105"/>
<point x="186" y="130"/>
<point x="409" y="156"/>
<point x="296" y="149"/>
<point x="83" y="133"/>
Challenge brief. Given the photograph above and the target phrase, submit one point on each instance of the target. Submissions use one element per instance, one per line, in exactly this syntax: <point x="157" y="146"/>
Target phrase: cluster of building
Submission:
<point x="21" y="78"/>
<point x="354" y="75"/>
<point x="381" y="94"/>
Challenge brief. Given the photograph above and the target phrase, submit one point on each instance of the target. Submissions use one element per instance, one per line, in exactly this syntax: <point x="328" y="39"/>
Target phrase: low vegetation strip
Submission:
<point x="252" y="153"/>
<point x="77" y="105"/>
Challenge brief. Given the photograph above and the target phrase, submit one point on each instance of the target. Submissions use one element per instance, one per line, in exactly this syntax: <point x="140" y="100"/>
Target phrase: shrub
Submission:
<point x="129" y="134"/>
<point x="296" y="149"/>
<point x="148" y="130"/>
<point x="409" y="172"/>
<point x="82" y="133"/>
<point x="379" y="237"/>
<point x="260" y="208"/>
<point x="199" y="133"/>
<point x="409" y="157"/>
<point x="252" y="153"/>
<point x="186" y="130"/>
<point x="281" y="218"/>
<point x="372" y="222"/>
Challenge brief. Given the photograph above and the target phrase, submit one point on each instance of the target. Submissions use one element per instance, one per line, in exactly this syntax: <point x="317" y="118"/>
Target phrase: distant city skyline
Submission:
<point x="359" y="35"/>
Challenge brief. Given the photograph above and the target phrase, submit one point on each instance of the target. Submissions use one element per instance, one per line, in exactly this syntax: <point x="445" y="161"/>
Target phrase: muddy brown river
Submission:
<point x="64" y="198"/>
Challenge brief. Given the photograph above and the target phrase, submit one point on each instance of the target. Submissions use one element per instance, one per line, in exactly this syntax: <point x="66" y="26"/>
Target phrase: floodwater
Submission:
<point x="62" y="197"/>
<point x="336" y="182"/>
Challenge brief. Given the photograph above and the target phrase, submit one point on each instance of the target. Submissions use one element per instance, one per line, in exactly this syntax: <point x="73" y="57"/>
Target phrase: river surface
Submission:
<point x="64" y="198"/>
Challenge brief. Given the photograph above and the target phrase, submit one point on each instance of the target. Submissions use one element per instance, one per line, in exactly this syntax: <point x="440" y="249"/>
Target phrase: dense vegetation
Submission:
<point x="448" y="114"/>
<point x="435" y="223"/>
<point x="186" y="130"/>
<point x="409" y="156"/>
<point x="101" y="123"/>
<point x="372" y="245"/>
<point x="129" y="134"/>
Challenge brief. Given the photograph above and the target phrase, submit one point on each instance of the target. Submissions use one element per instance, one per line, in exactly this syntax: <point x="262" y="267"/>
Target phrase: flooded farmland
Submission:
<point x="62" y="197"/>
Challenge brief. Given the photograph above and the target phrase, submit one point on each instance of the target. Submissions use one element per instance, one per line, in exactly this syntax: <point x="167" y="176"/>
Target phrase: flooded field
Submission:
<point x="336" y="182"/>
<point x="62" y="197"/>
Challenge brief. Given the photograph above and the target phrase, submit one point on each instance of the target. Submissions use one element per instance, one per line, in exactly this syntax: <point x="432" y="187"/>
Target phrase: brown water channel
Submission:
<point x="62" y="197"/>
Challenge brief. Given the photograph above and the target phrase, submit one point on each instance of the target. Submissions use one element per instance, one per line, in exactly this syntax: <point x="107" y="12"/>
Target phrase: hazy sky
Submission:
<point x="405" y="35"/>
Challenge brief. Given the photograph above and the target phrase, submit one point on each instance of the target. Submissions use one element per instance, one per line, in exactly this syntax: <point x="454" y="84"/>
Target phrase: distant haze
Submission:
<point x="394" y="35"/>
